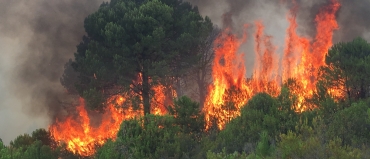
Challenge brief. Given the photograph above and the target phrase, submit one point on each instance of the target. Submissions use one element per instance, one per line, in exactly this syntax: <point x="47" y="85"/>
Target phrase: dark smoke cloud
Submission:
<point x="36" y="39"/>
<point x="354" y="20"/>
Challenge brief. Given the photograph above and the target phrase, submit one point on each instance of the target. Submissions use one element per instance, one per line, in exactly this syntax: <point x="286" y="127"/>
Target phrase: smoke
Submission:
<point x="36" y="39"/>
<point x="352" y="19"/>
<point x="238" y="13"/>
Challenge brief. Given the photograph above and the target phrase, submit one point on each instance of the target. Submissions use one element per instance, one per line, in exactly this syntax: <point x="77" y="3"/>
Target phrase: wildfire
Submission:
<point x="81" y="136"/>
<point x="228" y="75"/>
<point x="301" y="60"/>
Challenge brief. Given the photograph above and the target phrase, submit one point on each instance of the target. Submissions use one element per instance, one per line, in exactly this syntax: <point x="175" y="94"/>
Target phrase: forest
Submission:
<point x="155" y="79"/>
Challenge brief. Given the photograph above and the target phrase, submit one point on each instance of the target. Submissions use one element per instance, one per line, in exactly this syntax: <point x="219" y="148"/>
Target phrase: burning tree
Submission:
<point x="347" y="70"/>
<point x="129" y="60"/>
<point x="134" y="46"/>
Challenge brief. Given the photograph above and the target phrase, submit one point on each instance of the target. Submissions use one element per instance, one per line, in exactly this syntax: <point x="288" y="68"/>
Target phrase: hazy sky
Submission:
<point x="36" y="39"/>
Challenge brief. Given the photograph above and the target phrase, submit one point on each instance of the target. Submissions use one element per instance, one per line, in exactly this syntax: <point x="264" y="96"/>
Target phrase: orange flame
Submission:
<point x="311" y="56"/>
<point x="228" y="72"/>
<point x="82" y="137"/>
<point x="301" y="60"/>
<point x="265" y="77"/>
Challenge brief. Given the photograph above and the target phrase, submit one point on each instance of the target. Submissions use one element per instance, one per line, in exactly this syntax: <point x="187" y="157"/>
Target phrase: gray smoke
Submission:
<point x="354" y="20"/>
<point x="235" y="14"/>
<point x="36" y="39"/>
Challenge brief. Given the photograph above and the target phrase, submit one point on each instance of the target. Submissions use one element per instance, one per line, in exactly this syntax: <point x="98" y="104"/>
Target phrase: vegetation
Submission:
<point x="160" y="40"/>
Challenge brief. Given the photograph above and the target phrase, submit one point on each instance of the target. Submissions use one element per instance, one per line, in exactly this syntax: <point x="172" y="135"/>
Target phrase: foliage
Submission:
<point x="22" y="141"/>
<point x="38" y="146"/>
<point x="263" y="147"/>
<point x="109" y="150"/>
<point x="351" y="124"/>
<point x="43" y="136"/>
<point x="348" y="69"/>
<point x="309" y="145"/>
<point x="225" y="155"/>
<point x="187" y="115"/>
<point x="69" y="78"/>
<point x="263" y="150"/>
<point x="36" y="150"/>
<point x="262" y="113"/>
<point x="149" y="137"/>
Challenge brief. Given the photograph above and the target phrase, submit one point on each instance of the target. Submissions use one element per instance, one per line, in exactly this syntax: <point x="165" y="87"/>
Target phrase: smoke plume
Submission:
<point x="36" y="39"/>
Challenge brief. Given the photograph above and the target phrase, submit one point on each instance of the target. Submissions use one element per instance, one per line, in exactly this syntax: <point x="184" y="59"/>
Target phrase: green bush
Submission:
<point x="262" y="113"/>
<point x="351" y="124"/>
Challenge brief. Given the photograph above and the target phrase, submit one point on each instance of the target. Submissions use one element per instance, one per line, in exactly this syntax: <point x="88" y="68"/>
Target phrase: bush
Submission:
<point x="262" y="113"/>
<point x="351" y="124"/>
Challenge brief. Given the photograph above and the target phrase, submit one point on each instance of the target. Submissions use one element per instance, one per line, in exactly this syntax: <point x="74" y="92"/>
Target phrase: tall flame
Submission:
<point x="228" y="72"/>
<point x="301" y="60"/>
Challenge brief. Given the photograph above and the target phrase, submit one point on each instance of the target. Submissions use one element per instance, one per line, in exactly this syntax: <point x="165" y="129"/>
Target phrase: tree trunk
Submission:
<point x="145" y="91"/>
<point x="362" y="90"/>
<point x="200" y="81"/>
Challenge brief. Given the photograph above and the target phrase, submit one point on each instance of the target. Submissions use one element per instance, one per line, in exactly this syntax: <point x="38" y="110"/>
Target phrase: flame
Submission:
<point x="82" y="137"/>
<point x="163" y="97"/>
<point x="301" y="60"/>
<point x="228" y="72"/>
<point x="265" y="77"/>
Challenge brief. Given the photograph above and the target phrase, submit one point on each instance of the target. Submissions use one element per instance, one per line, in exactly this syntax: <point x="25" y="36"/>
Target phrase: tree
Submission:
<point x="309" y="144"/>
<point x="351" y="124"/>
<point x="262" y="113"/>
<point x="39" y="146"/>
<point x="188" y="115"/>
<point x="109" y="150"/>
<point x="347" y="69"/>
<point x="201" y="72"/>
<point x="134" y="45"/>
<point x="69" y="78"/>
<point x="158" y="138"/>
<point x="22" y="141"/>
<point x="44" y="136"/>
